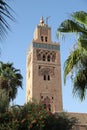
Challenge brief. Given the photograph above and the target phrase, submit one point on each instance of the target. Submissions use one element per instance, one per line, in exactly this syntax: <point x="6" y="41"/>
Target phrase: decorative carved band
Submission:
<point x="44" y="32"/>
<point x="46" y="55"/>
<point x="46" y="70"/>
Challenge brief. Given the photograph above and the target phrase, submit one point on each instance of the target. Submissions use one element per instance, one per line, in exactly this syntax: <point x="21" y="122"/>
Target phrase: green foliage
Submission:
<point x="5" y="13"/>
<point x="33" y="116"/>
<point x="60" y="121"/>
<point x="10" y="80"/>
<point x="75" y="24"/>
<point x="76" y="63"/>
<point x="80" y="17"/>
<point x="4" y="104"/>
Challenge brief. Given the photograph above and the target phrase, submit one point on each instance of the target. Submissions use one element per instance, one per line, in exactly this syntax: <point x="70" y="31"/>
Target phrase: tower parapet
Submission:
<point x="42" y="33"/>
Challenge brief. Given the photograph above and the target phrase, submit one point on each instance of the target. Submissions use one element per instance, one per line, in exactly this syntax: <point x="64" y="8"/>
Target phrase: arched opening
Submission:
<point x="46" y="39"/>
<point x="48" y="58"/>
<point x="42" y="38"/>
<point x="44" y="77"/>
<point x="46" y="103"/>
<point x="45" y="107"/>
<point x="48" y="77"/>
<point x="39" y="57"/>
<point x="49" y="107"/>
<point x="44" y="57"/>
<point x="53" y="58"/>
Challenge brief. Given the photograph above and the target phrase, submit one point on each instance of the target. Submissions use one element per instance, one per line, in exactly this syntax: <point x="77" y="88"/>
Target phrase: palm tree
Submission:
<point x="4" y="103"/>
<point x="76" y="63"/>
<point x="4" y="15"/>
<point x="10" y="80"/>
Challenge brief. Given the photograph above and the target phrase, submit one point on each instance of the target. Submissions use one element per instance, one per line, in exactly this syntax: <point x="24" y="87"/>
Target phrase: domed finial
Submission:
<point x="42" y="20"/>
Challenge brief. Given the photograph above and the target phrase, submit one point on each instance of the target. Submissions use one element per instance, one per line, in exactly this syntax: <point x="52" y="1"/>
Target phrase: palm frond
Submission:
<point x="71" y="62"/>
<point x="80" y="84"/>
<point x="80" y="17"/>
<point x="11" y="79"/>
<point x="69" y="26"/>
<point x="76" y="63"/>
<point x="83" y="41"/>
<point x="5" y="12"/>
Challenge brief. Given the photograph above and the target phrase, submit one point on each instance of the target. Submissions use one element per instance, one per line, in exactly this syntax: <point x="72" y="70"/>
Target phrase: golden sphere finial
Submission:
<point x="42" y="20"/>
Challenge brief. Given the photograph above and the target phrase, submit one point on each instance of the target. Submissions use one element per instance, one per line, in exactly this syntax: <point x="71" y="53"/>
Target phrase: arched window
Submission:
<point x="49" y="107"/>
<point x="44" y="57"/>
<point x="39" y="57"/>
<point x="41" y="97"/>
<point x="46" y="103"/>
<point x="42" y="39"/>
<point x="45" y="107"/>
<point x="39" y="67"/>
<point x="52" y="98"/>
<point x="53" y="58"/>
<point x="48" y="77"/>
<point x="45" y="39"/>
<point x="44" y="77"/>
<point x="48" y="58"/>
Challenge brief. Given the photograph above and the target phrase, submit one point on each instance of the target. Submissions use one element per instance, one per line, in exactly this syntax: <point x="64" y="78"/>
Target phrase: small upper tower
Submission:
<point x="43" y="69"/>
<point x="42" y="33"/>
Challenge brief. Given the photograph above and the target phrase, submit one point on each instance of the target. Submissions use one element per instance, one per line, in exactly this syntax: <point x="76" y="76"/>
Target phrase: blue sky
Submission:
<point x="14" y="47"/>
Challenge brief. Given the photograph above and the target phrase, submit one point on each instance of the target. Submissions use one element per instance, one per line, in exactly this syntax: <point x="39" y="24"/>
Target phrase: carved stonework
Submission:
<point x="49" y="55"/>
<point x="46" y="100"/>
<point x="44" y="31"/>
<point x="46" y="70"/>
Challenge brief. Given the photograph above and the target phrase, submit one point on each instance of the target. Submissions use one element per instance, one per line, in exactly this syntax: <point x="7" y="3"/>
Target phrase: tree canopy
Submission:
<point x="10" y="80"/>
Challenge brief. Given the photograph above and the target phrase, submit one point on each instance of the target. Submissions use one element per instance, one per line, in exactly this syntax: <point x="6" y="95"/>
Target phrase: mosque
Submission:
<point x="43" y="73"/>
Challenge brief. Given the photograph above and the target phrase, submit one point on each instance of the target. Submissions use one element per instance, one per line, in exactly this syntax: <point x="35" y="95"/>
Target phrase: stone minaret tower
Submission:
<point x="43" y="70"/>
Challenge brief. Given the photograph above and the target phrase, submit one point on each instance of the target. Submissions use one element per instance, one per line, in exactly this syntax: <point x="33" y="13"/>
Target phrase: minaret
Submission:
<point x="43" y="70"/>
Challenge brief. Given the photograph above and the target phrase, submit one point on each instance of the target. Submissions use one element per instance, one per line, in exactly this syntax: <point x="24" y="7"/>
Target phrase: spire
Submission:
<point x="42" y="21"/>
